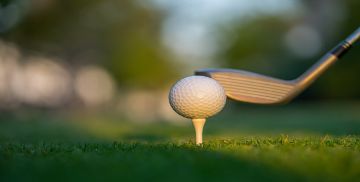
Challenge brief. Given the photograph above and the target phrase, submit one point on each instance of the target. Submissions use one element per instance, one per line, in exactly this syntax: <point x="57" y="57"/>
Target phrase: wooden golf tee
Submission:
<point x="198" y="125"/>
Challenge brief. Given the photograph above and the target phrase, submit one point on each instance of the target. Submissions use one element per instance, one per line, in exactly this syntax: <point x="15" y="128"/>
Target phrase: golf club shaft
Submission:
<point x="327" y="60"/>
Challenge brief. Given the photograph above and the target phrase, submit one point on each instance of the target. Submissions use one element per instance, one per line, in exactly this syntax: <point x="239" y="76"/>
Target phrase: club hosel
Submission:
<point x="345" y="45"/>
<point x="324" y="63"/>
<point x="315" y="71"/>
<point x="341" y="49"/>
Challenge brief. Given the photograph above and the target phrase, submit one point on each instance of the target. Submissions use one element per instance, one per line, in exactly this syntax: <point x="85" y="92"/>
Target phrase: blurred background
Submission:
<point x="120" y="57"/>
<point x="84" y="90"/>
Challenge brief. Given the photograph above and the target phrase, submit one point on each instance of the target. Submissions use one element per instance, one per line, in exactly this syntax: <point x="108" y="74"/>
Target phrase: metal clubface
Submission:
<point x="254" y="88"/>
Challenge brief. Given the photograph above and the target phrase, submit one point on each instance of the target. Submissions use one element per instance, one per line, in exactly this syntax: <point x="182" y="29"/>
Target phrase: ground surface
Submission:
<point x="300" y="142"/>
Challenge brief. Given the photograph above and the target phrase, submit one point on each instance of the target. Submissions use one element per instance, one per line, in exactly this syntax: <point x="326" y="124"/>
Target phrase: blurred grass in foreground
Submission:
<point x="297" y="142"/>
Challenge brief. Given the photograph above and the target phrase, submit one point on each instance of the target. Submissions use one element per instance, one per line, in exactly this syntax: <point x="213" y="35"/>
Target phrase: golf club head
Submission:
<point x="250" y="87"/>
<point x="254" y="88"/>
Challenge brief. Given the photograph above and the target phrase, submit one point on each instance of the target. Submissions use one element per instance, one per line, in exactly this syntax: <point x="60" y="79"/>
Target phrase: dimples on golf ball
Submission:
<point x="197" y="97"/>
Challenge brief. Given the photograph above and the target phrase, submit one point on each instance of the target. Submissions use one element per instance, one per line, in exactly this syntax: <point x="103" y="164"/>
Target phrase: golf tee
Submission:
<point x="198" y="125"/>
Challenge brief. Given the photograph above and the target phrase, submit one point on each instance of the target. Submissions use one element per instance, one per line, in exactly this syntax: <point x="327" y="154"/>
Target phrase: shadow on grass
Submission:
<point x="130" y="162"/>
<point x="144" y="138"/>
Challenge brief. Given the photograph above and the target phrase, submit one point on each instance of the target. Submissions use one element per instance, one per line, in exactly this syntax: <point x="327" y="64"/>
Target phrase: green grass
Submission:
<point x="308" y="142"/>
<point x="252" y="159"/>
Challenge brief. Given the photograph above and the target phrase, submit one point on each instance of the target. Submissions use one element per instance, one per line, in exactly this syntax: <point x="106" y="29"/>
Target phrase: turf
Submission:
<point x="238" y="147"/>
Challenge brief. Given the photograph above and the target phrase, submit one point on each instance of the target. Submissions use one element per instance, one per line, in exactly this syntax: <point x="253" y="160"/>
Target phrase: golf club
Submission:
<point x="255" y="88"/>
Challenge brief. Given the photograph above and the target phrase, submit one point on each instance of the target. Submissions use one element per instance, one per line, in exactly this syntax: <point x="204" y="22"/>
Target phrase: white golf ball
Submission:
<point x="197" y="97"/>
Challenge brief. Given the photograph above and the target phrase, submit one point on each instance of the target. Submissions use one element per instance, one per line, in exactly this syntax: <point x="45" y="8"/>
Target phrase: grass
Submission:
<point x="308" y="142"/>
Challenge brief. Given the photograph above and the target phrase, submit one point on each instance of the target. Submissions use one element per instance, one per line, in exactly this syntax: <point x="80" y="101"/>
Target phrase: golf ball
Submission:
<point x="197" y="97"/>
